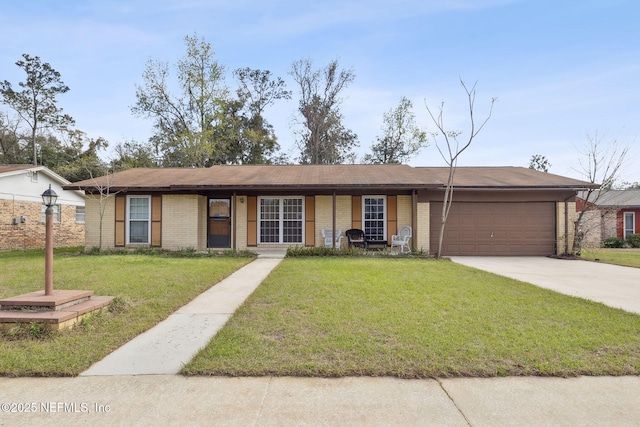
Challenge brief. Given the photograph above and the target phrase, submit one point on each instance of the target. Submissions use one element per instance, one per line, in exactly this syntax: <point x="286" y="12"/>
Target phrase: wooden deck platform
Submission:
<point x="62" y="309"/>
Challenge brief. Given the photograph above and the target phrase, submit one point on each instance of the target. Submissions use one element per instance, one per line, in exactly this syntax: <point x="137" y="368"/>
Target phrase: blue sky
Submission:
<point x="561" y="70"/>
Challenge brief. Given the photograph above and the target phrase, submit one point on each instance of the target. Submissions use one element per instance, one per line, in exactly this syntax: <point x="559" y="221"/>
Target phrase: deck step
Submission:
<point x="62" y="309"/>
<point x="58" y="300"/>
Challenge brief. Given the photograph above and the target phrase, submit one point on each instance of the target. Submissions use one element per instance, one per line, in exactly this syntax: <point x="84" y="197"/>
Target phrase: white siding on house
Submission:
<point x="21" y="210"/>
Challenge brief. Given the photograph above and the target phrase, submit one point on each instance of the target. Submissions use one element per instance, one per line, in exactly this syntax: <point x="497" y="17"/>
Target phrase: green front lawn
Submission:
<point x="415" y="318"/>
<point x="147" y="290"/>
<point x="629" y="256"/>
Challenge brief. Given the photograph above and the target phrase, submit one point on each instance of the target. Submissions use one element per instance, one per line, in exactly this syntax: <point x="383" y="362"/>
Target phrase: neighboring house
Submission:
<point x="612" y="213"/>
<point x="22" y="212"/>
<point x="496" y="211"/>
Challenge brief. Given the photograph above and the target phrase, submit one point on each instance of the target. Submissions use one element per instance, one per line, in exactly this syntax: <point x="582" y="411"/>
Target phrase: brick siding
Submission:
<point x="565" y="229"/>
<point x="30" y="234"/>
<point x="421" y="235"/>
<point x="94" y="205"/>
<point x="324" y="216"/>
<point x="184" y="223"/>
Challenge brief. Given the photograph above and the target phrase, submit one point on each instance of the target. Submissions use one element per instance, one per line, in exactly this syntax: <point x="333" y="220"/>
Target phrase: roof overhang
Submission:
<point x="325" y="179"/>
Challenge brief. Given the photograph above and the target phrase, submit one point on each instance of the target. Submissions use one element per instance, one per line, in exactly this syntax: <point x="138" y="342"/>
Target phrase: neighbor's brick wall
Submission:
<point x="181" y="221"/>
<point x="591" y="225"/>
<point x="597" y="225"/>
<point x="31" y="233"/>
<point x="92" y="221"/>
<point x="421" y="235"/>
<point x="610" y="223"/>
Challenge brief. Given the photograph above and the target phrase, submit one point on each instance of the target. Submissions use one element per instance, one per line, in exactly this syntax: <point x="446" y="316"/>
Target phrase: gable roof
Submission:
<point x="614" y="198"/>
<point x="282" y="177"/>
<point x="8" y="170"/>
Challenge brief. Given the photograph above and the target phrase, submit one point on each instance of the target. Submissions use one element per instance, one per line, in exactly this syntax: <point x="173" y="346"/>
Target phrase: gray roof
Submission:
<point x="611" y="198"/>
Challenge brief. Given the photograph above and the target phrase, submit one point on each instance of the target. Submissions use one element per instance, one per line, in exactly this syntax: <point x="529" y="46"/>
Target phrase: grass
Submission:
<point x="147" y="289"/>
<point x="415" y="318"/>
<point x="629" y="257"/>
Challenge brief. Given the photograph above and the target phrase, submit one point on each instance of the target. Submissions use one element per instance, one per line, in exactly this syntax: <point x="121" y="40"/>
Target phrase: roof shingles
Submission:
<point x="325" y="176"/>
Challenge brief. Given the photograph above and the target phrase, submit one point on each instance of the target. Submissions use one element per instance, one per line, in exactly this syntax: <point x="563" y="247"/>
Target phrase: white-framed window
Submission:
<point x="281" y="220"/>
<point x="374" y="212"/>
<point x="56" y="213"/>
<point x="629" y="223"/>
<point x="79" y="213"/>
<point x="138" y="220"/>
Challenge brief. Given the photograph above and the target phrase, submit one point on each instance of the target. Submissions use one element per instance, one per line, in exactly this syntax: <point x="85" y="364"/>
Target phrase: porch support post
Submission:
<point x="333" y="227"/>
<point x="566" y="227"/>
<point x="414" y="222"/>
<point x="233" y="222"/>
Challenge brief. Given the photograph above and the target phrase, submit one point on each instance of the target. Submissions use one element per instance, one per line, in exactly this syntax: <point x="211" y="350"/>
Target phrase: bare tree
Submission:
<point x="599" y="163"/>
<point x="454" y="148"/>
<point x="102" y="193"/>
<point x="12" y="146"/>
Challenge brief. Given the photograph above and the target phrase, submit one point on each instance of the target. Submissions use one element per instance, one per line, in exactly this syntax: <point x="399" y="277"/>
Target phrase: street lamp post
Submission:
<point x="49" y="198"/>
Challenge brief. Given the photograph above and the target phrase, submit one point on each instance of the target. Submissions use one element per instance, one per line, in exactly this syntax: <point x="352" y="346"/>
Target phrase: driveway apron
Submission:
<point x="613" y="285"/>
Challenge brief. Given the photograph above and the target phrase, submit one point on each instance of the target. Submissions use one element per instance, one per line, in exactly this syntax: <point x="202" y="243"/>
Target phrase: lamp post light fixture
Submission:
<point x="49" y="198"/>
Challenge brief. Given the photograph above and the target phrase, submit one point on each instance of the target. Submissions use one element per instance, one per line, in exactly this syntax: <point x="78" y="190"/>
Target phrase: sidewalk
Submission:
<point x="170" y="400"/>
<point x="166" y="347"/>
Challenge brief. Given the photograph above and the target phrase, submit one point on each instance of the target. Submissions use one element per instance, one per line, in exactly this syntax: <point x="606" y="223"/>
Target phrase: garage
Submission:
<point x="500" y="228"/>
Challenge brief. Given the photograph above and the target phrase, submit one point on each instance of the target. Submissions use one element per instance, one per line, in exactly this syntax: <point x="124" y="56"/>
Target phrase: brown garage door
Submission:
<point x="495" y="228"/>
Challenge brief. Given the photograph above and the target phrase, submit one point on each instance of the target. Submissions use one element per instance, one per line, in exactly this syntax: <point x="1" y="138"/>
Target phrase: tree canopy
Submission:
<point x="40" y="132"/>
<point x="203" y="124"/>
<point x="539" y="162"/>
<point x="36" y="103"/>
<point x="401" y="139"/>
<point x="323" y="138"/>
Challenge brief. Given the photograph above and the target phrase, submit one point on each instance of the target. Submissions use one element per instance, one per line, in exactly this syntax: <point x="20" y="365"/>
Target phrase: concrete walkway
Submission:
<point x="166" y="347"/>
<point x="613" y="285"/>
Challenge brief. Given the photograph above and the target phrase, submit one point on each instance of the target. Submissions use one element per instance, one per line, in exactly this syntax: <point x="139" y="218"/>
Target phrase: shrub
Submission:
<point x="634" y="240"/>
<point x="179" y="253"/>
<point x="301" y="251"/>
<point x="613" y="242"/>
<point x="321" y="251"/>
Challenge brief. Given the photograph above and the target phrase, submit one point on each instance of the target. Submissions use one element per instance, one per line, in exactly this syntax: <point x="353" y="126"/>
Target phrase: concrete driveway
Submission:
<point x="612" y="285"/>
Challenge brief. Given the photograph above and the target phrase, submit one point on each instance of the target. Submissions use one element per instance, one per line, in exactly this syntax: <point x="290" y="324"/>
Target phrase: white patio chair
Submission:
<point x="401" y="239"/>
<point x="326" y="235"/>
